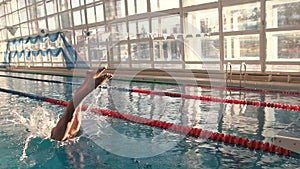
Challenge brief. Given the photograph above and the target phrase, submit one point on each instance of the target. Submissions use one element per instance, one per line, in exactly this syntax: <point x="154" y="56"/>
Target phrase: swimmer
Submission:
<point x="69" y="124"/>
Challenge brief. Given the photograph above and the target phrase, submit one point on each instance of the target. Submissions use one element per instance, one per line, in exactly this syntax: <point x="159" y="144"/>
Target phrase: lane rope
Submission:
<point x="244" y="89"/>
<point x="41" y="80"/>
<point x="177" y="128"/>
<point x="203" y="98"/>
<point x="215" y="99"/>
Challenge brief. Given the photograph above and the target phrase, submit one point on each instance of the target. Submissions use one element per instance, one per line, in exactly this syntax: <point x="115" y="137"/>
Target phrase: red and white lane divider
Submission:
<point x="243" y="89"/>
<point x="220" y="100"/>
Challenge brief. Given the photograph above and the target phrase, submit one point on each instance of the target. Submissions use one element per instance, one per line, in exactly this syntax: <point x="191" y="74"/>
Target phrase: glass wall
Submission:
<point x="283" y="41"/>
<point x="170" y="34"/>
<point x="202" y="38"/>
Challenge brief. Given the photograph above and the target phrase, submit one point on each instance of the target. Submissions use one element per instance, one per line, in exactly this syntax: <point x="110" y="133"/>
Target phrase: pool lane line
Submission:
<point x="243" y="89"/>
<point x="176" y="128"/>
<point x="203" y="98"/>
<point x="218" y="99"/>
<point x="41" y="80"/>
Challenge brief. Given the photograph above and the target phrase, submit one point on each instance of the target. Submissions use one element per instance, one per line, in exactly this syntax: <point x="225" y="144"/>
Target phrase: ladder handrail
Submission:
<point x="230" y="73"/>
<point x="243" y="73"/>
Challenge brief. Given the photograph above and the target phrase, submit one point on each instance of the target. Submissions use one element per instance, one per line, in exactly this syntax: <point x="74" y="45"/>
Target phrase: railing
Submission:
<point x="243" y="73"/>
<point x="228" y="73"/>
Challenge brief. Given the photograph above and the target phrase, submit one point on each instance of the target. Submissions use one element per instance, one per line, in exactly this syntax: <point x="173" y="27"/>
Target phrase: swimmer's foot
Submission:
<point x="99" y="72"/>
<point x="100" y="80"/>
<point x="96" y="78"/>
<point x="93" y="74"/>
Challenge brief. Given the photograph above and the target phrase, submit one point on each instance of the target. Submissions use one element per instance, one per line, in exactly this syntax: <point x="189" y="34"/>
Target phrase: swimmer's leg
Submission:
<point x="69" y="124"/>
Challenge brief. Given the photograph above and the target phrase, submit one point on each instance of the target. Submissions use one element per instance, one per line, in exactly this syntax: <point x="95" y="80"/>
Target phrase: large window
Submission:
<point x="119" y="53"/>
<point x="199" y="44"/>
<point x="14" y="5"/>
<point x="79" y="18"/>
<point x="23" y="16"/>
<point x="202" y="48"/>
<point x="159" y="5"/>
<point x="243" y="47"/>
<point x="140" y="51"/>
<point x="95" y="13"/>
<point x="42" y="24"/>
<point x="99" y="13"/>
<point x="64" y="5"/>
<point x="97" y="45"/>
<point x="34" y="27"/>
<point x="137" y="6"/>
<point x="241" y="17"/>
<point x="167" y="50"/>
<point x="21" y="4"/>
<point x="164" y="31"/>
<point x="2" y="11"/>
<point x="114" y="9"/>
<point x="24" y="29"/>
<point x="65" y="20"/>
<point x="7" y="7"/>
<point x="15" y="18"/>
<point x="31" y="13"/>
<point x="53" y="23"/>
<point x="3" y="20"/>
<point x="40" y="10"/>
<point x="282" y="44"/>
<point x="51" y="7"/>
<point x="202" y="21"/>
<point x="77" y="3"/>
<point x="91" y="17"/>
<point x="117" y="32"/>
<point x="283" y="13"/>
<point x="188" y="34"/>
<point x="139" y="29"/>
<point x="166" y="25"/>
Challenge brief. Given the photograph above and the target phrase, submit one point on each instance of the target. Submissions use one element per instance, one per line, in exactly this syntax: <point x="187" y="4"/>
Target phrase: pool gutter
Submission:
<point x="259" y="80"/>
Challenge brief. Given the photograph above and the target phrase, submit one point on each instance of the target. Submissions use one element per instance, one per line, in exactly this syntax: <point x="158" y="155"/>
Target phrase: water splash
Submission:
<point x="38" y="124"/>
<point x="40" y="121"/>
<point x="24" y="156"/>
<point x="92" y="101"/>
<point x="92" y="122"/>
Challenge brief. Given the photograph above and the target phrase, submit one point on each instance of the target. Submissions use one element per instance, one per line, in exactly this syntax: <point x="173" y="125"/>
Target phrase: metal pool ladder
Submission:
<point x="243" y="73"/>
<point x="228" y="75"/>
<point x="243" y="70"/>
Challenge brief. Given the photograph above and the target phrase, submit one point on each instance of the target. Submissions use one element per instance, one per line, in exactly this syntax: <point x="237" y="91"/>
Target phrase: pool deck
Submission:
<point x="256" y="79"/>
<point x="289" y="138"/>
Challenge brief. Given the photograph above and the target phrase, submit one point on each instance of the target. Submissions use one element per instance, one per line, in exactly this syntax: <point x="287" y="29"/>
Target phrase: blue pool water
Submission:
<point x="118" y="144"/>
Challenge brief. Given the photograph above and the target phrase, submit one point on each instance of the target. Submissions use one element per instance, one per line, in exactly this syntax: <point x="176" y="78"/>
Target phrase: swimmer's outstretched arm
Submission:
<point x="69" y="124"/>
